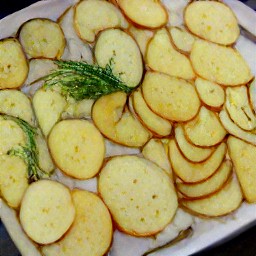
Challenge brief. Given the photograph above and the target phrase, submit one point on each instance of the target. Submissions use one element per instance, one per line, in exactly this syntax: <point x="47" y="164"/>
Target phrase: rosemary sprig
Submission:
<point x="81" y="80"/>
<point x="29" y="152"/>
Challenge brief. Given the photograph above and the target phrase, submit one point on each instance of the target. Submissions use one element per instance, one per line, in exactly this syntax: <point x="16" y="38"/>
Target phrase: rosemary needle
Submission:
<point x="81" y="80"/>
<point x="28" y="152"/>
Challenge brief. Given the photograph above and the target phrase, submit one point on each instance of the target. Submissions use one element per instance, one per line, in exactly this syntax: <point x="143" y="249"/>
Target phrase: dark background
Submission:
<point x="242" y="245"/>
<point x="10" y="6"/>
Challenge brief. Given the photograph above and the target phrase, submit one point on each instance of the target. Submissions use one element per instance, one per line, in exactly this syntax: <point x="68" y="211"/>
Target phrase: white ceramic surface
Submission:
<point x="206" y="232"/>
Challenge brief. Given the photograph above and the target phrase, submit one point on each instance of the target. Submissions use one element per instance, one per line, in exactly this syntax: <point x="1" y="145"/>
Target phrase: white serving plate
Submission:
<point x="206" y="232"/>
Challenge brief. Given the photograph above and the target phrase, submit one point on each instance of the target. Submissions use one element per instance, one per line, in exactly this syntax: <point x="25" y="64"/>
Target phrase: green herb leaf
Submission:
<point x="81" y="80"/>
<point x="29" y="152"/>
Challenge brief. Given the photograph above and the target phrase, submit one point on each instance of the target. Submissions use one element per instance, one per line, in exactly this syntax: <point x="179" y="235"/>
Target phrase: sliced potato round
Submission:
<point x="177" y="230"/>
<point x="124" y="181"/>
<point x="205" y="129"/>
<point x="172" y="98"/>
<point x="141" y="12"/>
<point x="16" y="103"/>
<point x="163" y="57"/>
<point x="155" y="151"/>
<point x="238" y="106"/>
<point x="46" y="211"/>
<point x="13" y="179"/>
<point x="91" y="232"/>
<point x="243" y="156"/>
<point x="130" y="132"/>
<point x="42" y="38"/>
<point x="142" y="37"/>
<point x="190" y="151"/>
<point x="78" y="109"/>
<point x="48" y="106"/>
<point x="227" y="200"/>
<point x="235" y="130"/>
<point x="182" y="39"/>
<point x="252" y="94"/>
<point x="219" y="64"/>
<point x="203" y="19"/>
<point x="210" y="186"/>
<point x="93" y="16"/>
<point x="119" y="49"/>
<point x="77" y="148"/>
<point x="114" y="2"/>
<point x="153" y="122"/>
<point x="195" y="172"/>
<point x="117" y="123"/>
<point x="83" y="108"/>
<point x="11" y="135"/>
<point x="44" y="158"/>
<point x="13" y="64"/>
<point x="211" y="94"/>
